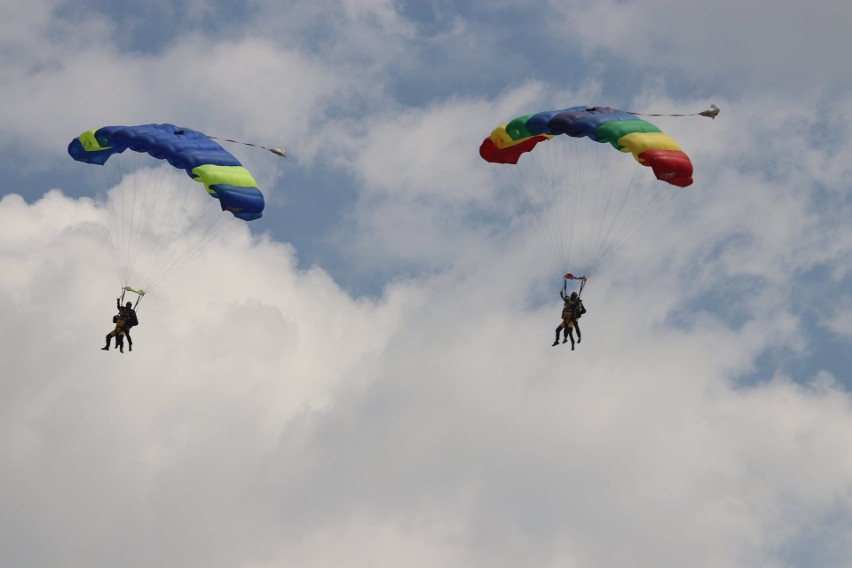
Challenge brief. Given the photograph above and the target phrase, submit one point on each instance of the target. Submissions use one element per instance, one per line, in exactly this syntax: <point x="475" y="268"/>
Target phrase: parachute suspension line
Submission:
<point x="548" y="194"/>
<point x="556" y="188"/>
<point x="645" y="203"/>
<point x="597" y="191"/>
<point x="523" y="197"/>
<point x="158" y="220"/>
<point x="210" y="233"/>
<point x="173" y="216"/>
<point x="602" y="190"/>
<point x="621" y="216"/>
<point x="574" y="200"/>
<point x="278" y="151"/>
<point x="111" y="239"/>
<point x="559" y="218"/>
<point x="648" y="203"/>
<point x="151" y="201"/>
<point x="607" y="195"/>
<point x="143" y="195"/>
<point x="196" y="226"/>
<point x="584" y="199"/>
<point x="118" y="204"/>
<point x="574" y="204"/>
<point x="711" y="112"/>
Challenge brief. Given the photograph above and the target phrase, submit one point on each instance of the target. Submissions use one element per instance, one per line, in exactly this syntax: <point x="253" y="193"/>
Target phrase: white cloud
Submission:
<point x="268" y="418"/>
<point x="761" y="44"/>
<point x="264" y="413"/>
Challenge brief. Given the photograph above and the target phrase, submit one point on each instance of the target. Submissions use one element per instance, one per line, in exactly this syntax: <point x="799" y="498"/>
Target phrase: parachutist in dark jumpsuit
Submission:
<point x="571" y="311"/>
<point x="125" y="319"/>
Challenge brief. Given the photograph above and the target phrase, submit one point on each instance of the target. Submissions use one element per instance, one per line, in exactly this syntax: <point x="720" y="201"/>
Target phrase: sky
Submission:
<point x="365" y="376"/>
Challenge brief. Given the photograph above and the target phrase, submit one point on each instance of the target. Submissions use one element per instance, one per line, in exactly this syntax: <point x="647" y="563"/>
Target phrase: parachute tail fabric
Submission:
<point x="711" y="112"/>
<point x="278" y="151"/>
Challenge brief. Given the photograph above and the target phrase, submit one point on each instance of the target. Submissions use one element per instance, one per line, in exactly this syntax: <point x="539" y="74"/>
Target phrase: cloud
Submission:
<point x="264" y="414"/>
<point x="760" y="45"/>
<point x="266" y="417"/>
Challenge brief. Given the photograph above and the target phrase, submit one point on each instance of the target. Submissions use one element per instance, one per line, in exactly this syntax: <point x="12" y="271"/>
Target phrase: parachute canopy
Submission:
<point x="624" y="130"/>
<point x="204" y="160"/>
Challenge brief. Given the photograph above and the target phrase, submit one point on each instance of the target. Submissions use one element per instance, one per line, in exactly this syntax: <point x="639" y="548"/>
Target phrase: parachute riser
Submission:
<point x="139" y="294"/>
<point x="570" y="276"/>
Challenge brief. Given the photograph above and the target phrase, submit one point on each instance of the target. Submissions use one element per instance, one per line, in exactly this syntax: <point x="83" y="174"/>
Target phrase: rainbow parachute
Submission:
<point x="624" y="130"/>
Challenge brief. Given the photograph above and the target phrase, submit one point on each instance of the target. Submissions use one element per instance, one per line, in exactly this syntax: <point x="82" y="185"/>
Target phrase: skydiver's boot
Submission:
<point x="579" y="337"/>
<point x="106" y="347"/>
<point x="556" y="341"/>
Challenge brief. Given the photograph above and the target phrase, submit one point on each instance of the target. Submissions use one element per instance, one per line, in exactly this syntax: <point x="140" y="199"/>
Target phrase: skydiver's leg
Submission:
<point x="566" y="325"/>
<point x="108" y="338"/>
<point x="577" y="327"/>
<point x="119" y="341"/>
<point x="558" y="329"/>
<point x="570" y="334"/>
<point x="129" y="341"/>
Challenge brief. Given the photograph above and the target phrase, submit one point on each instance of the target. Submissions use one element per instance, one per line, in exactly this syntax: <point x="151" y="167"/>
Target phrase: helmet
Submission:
<point x="128" y="305"/>
<point x="573" y="295"/>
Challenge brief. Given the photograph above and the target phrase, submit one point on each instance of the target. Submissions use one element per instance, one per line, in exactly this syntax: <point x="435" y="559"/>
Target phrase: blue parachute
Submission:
<point x="203" y="159"/>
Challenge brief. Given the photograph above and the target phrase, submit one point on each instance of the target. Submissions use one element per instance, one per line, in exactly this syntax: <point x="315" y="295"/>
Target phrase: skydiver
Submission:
<point x="572" y="309"/>
<point x="129" y="321"/>
<point x="124" y="320"/>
